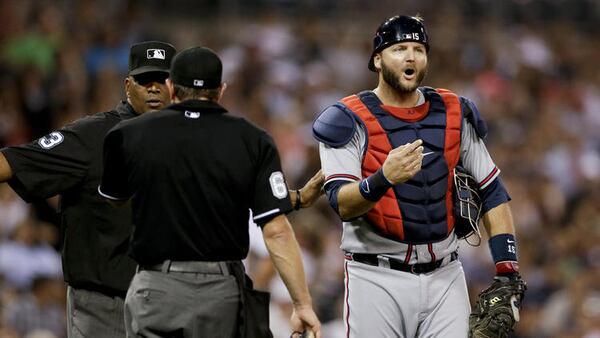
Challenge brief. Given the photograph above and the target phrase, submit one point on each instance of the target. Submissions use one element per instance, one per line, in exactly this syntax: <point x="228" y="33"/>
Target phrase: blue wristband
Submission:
<point x="374" y="187"/>
<point x="503" y="248"/>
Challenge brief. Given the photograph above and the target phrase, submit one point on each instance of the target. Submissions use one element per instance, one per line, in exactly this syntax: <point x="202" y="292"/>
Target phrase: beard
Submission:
<point x="393" y="79"/>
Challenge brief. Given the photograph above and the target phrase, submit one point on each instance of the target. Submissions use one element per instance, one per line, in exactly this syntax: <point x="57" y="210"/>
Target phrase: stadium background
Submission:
<point x="530" y="65"/>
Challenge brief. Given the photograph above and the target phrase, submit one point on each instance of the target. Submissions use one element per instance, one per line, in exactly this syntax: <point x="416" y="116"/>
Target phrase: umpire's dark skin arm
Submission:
<point x="5" y="169"/>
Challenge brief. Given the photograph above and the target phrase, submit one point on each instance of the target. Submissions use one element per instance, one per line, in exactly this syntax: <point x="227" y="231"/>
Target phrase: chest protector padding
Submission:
<point x="415" y="211"/>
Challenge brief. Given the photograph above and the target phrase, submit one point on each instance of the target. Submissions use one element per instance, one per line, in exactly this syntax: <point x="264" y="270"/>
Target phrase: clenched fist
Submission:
<point x="403" y="162"/>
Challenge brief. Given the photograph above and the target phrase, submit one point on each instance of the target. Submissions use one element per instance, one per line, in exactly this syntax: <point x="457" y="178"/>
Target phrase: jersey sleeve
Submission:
<point x="115" y="183"/>
<point x="343" y="163"/>
<point x="50" y="165"/>
<point x="271" y="196"/>
<point x="475" y="157"/>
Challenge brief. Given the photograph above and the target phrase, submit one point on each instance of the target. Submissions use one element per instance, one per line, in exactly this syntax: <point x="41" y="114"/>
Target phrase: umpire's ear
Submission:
<point x="127" y="83"/>
<point x="171" y="90"/>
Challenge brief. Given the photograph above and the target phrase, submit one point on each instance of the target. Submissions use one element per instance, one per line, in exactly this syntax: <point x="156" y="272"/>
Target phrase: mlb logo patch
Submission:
<point x="410" y="36"/>
<point x="198" y="83"/>
<point x="191" y="114"/>
<point x="155" y="54"/>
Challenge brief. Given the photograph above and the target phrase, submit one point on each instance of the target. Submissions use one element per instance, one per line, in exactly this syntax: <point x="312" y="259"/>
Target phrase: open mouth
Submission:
<point x="409" y="73"/>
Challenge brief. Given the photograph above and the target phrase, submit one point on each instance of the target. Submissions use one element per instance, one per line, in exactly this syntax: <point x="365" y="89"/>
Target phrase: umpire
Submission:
<point x="68" y="162"/>
<point x="194" y="172"/>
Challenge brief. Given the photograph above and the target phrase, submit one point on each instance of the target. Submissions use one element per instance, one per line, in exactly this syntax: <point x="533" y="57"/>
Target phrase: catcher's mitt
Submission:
<point x="497" y="308"/>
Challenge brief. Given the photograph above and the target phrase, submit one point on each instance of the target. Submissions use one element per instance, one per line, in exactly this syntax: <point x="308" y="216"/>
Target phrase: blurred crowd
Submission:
<point x="530" y="65"/>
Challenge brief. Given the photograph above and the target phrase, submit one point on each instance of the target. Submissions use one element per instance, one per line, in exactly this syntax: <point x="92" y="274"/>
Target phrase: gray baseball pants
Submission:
<point x="182" y="304"/>
<point x="385" y="303"/>
<point x="92" y="314"/>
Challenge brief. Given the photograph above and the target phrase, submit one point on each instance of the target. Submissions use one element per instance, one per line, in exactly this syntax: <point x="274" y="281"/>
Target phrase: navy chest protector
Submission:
<point x="421" y="209"/>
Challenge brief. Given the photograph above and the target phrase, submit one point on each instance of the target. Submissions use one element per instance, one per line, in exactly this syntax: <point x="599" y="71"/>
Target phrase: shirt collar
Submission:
<point x="196" y="105"/>
<point x="125" y="110"/>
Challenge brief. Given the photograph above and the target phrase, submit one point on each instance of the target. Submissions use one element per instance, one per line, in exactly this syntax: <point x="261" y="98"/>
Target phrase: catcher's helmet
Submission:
<point x="399" y="28"/>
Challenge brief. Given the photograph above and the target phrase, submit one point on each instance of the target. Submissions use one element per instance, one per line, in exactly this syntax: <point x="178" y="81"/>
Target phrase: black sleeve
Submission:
<point x="49" y="165"/>
<point x="493" y="195"/>
<point x="271" y="196"/>
<point x="331" y="191"/>
<point x="114" y="183"/>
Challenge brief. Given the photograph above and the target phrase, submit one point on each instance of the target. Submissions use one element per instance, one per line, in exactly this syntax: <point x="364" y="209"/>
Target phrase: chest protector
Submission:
<point x="420" y="209"/>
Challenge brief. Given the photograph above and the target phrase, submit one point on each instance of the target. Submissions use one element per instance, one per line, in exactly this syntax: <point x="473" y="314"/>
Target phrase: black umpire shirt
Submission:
<point x="95" y="235"/>
<point x="194" y="172"/>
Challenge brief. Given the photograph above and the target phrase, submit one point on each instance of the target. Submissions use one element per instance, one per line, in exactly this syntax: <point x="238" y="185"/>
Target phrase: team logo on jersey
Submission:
<point x="191" y="114"/>
<point x="51" y="140"/>
<point x="278" y="186"/>
<point x="155" y="54"/>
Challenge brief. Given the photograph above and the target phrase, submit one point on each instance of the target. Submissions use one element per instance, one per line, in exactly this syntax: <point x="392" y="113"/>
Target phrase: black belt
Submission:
<point x="211" y="268"/>
<point x="396" y="264"/>
<point x="107" y="291"/>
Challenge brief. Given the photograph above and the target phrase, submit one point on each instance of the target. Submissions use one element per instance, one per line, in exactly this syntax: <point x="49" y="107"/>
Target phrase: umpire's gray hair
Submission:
<point x="187" y="93"/>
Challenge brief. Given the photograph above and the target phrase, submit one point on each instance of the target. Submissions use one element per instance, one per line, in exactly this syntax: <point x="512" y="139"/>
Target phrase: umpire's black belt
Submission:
<point x="396" y="264"/>
<point x="210" y="268"/>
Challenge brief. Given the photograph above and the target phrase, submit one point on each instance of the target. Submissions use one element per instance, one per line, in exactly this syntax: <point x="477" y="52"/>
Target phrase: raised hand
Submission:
<point x="403" y="162"/>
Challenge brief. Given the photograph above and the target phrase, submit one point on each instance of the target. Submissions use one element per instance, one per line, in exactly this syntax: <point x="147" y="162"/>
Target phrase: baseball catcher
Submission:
<point x="390" y="156"/>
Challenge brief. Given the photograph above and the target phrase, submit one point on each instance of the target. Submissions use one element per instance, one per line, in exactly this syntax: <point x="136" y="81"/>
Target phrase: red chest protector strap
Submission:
<point x="386" y="214"/>
<point x="451" y="145"/>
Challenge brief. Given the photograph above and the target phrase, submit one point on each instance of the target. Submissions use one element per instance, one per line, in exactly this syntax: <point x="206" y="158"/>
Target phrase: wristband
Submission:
<point x="504" y="253"/>
<point x="297" y="204"/>
<point x="374" y="187"/>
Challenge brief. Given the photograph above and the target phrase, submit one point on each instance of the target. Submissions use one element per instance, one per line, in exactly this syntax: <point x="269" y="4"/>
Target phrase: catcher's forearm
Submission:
<point x="351" y="203"/>
<point x="285" y="254"/>
<point x="499" y="225"/>
<point x="497" y="308"/>
<point x="499" y="220"/>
